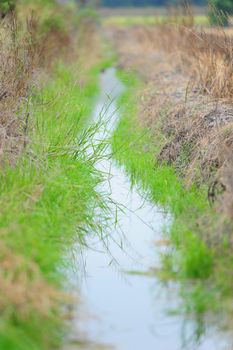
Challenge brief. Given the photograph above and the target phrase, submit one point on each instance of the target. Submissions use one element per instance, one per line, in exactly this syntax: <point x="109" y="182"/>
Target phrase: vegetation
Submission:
<point x="225" y="5"/>
<point x="174" y="140"/>
<point x="48" y="183"/>
<point x="220" y="12"/>
<point x="46" y="205"/>
<point x="162" y="186"/>
<point x="114" y="3"/>
<point x="190" y="257"/>
<point x="179" y="154"/>
<point x="149" y="20"/>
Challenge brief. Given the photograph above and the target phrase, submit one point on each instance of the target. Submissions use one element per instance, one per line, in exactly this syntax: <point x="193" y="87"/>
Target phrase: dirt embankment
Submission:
<point x="186" y="101"/>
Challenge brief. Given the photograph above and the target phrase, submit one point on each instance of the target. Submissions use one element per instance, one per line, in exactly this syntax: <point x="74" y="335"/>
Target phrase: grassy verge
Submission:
<point x="47" y="200"/>
<point x="192" y="258"/>
<point x="149" y="20"/>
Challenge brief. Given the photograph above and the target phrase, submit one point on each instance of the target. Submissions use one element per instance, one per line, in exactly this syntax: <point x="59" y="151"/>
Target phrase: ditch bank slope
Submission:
<point x="171" y="141"/>
<point x="48" y="186"/>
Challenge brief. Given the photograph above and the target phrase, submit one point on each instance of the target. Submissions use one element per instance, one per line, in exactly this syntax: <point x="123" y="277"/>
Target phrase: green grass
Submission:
<point x="149" y="20"/>
<point x="138" y="154"/>
<point x="48" y="200"/>
<point x="192" y="260"/>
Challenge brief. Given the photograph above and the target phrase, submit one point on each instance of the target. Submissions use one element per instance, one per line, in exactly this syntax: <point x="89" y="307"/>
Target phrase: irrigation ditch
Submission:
<point x="125" y="304"/>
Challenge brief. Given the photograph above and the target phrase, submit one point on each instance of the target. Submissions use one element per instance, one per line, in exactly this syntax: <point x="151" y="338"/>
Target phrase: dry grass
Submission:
<point x="28" y="46"/>
<point x="23" y="288"/>
<point x="188" y="96"/>
<point x="19" y="57"/>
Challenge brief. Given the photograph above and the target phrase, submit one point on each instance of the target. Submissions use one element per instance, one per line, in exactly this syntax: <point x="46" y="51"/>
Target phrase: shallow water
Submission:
<point x="130" y="311"/>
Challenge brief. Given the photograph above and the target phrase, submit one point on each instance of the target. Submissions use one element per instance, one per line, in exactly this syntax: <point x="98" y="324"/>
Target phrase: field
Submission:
<point x="142" y="11"/>
<point x="174" y="140"/>
<point x="147" y="16"/>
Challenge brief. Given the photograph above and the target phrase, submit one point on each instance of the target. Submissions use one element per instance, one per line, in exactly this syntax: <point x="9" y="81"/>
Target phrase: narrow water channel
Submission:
<point x="121" y="310"/>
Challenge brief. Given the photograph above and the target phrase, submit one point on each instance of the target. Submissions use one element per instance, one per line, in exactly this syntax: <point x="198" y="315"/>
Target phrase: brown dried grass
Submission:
<point x="187" y="99"/>
<point x="23" y="289"/>
<point x="27" y="51"/>
<point x="19" y="57"/>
